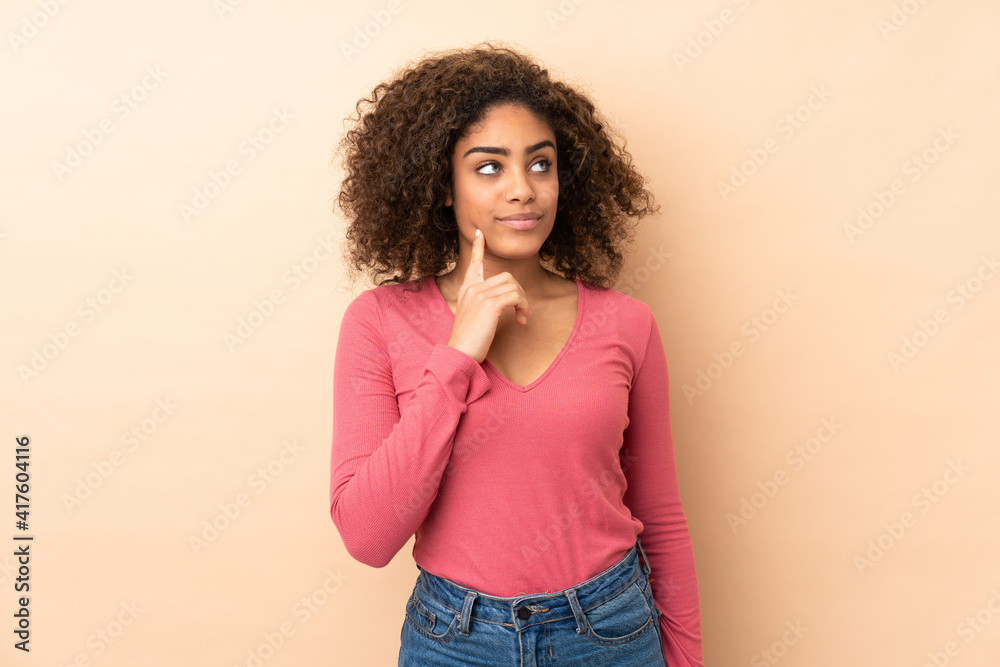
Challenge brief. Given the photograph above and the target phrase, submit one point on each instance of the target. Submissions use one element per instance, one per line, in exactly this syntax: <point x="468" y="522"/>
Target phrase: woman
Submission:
<point x="514" y="418"/>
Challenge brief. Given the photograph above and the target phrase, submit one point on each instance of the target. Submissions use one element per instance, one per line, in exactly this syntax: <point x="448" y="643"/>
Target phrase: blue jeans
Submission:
<point x="608" y="620"/>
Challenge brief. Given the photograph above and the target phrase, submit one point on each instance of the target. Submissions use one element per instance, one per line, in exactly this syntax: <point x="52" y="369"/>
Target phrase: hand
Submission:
<point x="482" y="302"/>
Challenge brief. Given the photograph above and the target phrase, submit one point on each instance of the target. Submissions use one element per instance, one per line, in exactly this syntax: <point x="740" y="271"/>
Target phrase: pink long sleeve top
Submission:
<point x="511" y="490"/>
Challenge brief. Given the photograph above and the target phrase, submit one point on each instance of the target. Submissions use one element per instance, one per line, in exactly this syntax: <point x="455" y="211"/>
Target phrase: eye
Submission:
<point x="545" y="163"/>
<point x="494" y="165"/>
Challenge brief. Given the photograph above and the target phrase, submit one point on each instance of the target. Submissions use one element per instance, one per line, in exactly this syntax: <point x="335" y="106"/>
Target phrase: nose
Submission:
<point x="519" y="187"/>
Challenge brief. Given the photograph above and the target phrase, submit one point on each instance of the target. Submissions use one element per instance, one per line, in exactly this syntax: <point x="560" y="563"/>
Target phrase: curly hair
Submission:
<point x="397" y="159"/>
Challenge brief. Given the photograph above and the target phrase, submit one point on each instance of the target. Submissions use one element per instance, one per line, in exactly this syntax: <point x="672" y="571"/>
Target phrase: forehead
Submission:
<point x="508" y="124"/>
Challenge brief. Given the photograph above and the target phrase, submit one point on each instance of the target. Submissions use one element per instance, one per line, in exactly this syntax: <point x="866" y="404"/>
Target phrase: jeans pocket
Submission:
<point x="429" y="617"/>
<point x="620" y="619"/>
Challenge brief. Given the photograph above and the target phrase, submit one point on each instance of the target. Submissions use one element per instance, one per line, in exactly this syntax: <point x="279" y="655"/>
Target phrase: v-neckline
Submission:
<point x="581" y="295"/>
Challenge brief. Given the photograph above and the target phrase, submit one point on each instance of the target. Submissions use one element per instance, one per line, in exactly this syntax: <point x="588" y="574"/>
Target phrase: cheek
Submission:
<point x="474" y="197"/>
<point x="552" y="190"/>
<point x="469" y="206"/>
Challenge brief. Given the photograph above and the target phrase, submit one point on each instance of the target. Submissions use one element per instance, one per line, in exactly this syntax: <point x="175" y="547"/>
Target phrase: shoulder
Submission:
<point x="616" y="321"/>
<point x="391" y="308"/>
<point x="631" y="313"/>
<point x="388" y="297"/>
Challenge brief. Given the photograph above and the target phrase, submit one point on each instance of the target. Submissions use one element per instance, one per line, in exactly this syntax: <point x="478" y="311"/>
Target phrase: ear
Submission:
<point x="447" y="199"/>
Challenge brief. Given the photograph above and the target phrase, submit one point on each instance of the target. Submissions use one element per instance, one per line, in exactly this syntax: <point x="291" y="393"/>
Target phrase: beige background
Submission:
<point x="158" y="349"/>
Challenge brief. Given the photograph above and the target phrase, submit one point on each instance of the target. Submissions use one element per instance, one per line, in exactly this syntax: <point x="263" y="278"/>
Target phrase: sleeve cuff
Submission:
<point x="456" y="369"/>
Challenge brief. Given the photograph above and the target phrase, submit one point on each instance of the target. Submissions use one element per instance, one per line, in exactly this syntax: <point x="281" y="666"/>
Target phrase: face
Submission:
<point x="504" y="169"/>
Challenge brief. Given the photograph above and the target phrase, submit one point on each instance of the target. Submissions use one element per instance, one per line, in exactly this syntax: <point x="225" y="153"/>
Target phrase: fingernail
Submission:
<point x="477" y="232"/>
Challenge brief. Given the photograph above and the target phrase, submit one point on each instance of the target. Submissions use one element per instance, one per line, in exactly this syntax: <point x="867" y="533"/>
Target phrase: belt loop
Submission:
<point x="581" y="619"/>
<point x="470" y="597"/>
<point x="645" y="568"/>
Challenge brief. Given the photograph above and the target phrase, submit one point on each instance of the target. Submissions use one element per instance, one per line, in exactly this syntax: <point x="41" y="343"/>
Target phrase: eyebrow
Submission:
<point x="503" y="151"/>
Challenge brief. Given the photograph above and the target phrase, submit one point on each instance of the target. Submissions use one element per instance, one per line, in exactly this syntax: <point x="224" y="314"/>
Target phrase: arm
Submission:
<point x="385" y="466"/>
<point x="654" y="498"/>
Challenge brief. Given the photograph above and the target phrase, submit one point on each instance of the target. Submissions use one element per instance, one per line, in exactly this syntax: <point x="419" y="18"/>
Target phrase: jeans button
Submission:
<point x="524" y="613"/>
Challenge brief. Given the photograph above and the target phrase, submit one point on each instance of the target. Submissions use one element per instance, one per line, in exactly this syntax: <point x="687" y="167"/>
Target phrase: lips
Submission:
<point x="521" y="221"/>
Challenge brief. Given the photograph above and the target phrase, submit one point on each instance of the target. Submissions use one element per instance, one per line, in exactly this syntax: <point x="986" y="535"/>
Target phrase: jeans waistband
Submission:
<point x="526" y="610"/>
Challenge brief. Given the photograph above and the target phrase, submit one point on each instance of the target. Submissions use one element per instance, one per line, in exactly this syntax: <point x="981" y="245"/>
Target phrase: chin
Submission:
<point x="515" y="250"/>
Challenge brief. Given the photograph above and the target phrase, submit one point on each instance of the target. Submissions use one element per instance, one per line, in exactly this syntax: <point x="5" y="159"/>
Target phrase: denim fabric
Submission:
<point x="608" y="620"/>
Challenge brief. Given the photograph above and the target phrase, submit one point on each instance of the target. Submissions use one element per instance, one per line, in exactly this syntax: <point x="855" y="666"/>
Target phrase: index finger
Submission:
<point x="478" y="248"/>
